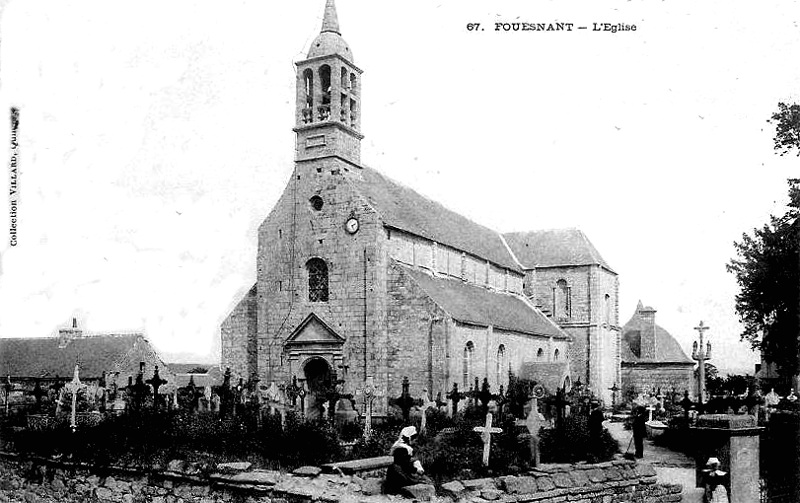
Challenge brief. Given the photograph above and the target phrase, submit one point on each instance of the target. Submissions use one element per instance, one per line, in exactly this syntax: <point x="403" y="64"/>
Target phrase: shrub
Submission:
<point x="570" y="442"/>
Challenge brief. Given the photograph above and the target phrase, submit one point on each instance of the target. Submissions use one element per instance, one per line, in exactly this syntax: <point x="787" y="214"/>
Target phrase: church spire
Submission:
<point x="330" y="21"/>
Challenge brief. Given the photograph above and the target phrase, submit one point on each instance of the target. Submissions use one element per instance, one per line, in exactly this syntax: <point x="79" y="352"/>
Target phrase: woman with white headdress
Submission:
<point x="714" y="480"/>
<point x="405" y="471"/>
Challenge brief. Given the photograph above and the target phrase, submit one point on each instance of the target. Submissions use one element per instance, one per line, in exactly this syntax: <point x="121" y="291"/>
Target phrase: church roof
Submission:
<point x="405" y="209"/>
<point x="480" y="306"/>
<point x="41" y="356"/>
<point x="554" y="247"/>
<point x="330" y="40"/>
<point x="667" y="348"/>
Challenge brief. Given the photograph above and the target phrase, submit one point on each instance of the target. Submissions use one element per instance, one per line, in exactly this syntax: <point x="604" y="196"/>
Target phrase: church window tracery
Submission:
<point x="317" y="280"/>
<point x="469" y="351"/>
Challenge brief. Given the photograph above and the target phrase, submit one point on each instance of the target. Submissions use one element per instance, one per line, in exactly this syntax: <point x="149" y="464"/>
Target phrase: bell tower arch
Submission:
<point x="328" y="106"/>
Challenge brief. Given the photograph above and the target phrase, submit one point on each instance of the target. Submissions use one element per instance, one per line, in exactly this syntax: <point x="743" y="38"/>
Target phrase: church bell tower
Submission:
<point x="328" y="109"/>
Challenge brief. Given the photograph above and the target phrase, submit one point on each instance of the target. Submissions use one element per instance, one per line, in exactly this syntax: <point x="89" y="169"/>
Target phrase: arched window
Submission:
<point x="608" y="308"/>
<point x="325" y="83"/>
<point x="540" y="354"/>
<point x="353" y="83"/>
<point x="561" y="300"/>
<point x="555" y="355"/>
<point x="501" y="364"/>
<point x="469" y="351"/>
<point x="308" y="83"/>
<point x="343" y="80"/>
<point x="317" y="280"/>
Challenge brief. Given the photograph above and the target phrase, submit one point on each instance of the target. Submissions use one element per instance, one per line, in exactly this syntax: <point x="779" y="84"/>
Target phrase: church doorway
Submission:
<point x="320" y="379"/>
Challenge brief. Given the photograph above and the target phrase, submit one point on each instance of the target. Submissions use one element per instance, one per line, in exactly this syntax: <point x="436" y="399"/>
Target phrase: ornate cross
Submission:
<point x="370" y="392"/>
<point x="404" y="401"/>
<point x="486" y="435"/>
<point x="156" y="382"/>
<point x="455" y="396"/>
<point x="74" y="387"/>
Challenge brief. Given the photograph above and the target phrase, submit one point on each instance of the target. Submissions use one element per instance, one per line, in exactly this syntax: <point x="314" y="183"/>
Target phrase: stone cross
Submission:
<point x="404" y="401"/>
<point x="614" y="389"/>
<point x="74" y="387"/>
<point x="484" y="395"/>
<point x="156" y="382"/>
<point x="486" y="435"/>
<point x="650" y="410"/>
<point x="455" y="396"/>
<point x="534" y="424"/>
<point x="369" y="392"/>
<point x="427" y="403"/>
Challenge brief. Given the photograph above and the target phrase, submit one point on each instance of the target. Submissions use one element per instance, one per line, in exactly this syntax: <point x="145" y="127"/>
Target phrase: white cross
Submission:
<point x="486" y="435"/>
<point x="74" y="387"/>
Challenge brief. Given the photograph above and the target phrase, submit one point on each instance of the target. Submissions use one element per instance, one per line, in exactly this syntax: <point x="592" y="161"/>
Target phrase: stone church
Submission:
<point x="361" y="279"/>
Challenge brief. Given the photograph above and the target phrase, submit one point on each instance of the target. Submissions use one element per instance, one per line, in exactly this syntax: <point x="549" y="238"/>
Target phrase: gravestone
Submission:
<point x="486" y="435"/>
<point x="427" y="403"/>
<point x="74" y="387"/>
<point x="455" y="396"/>
<point x="156" y="382"/>
<point x="404" y="402"/>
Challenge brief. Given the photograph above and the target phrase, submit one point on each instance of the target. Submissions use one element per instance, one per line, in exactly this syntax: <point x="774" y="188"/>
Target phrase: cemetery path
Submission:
<point x="671" y="467"/>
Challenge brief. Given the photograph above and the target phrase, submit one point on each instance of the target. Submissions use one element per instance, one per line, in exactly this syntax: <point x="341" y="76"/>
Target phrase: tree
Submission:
<point x="787" y="128"/>
<point x="767" y="267"/>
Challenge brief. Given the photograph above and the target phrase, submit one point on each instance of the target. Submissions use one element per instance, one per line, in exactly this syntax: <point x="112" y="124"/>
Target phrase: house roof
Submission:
<point x="41" y="357"/>
<point x="480" y="306"/>
<point x="184" y="368"/>
<point x="549" y="374"/>
<point x="667" y="348"/>
<point x="554" y="247"/>
<point x="403" y="208"/>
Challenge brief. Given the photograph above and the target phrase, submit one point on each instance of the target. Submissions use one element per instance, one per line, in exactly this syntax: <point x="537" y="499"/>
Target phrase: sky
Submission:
<point x="154" y="137"/>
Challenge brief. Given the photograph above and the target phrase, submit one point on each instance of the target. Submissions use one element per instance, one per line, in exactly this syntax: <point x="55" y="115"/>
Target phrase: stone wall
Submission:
<point x="611" y="482"/>
<point x="238" y="338"/>
<point x="644" y="377"/>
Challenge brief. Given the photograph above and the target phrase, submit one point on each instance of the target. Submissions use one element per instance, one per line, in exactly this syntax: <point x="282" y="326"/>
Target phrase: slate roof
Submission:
<point x="667" y="348"/>
<point x="548" y="374"/>
<point x="41" y="357"/>
<point x="480" y="306"/>
<point x="554" y="247"/>
<point x="403" y="208"/>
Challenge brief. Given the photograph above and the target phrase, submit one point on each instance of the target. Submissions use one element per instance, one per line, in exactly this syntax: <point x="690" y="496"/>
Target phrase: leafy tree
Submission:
<point x="787" y="128"/>
<point x="767" y="266"/>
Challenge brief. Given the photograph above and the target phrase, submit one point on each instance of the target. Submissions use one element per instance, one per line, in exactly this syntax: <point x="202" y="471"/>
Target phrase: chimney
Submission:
<point x="647" y="350"/>
<point x="67" y="334"/>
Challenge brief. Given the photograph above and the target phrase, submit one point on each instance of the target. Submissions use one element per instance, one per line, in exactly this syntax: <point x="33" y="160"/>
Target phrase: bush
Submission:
<point x="570" y="442"/>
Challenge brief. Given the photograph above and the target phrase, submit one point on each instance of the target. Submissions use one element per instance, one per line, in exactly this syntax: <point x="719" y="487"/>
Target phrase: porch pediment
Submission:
<point x="312" y="331"/>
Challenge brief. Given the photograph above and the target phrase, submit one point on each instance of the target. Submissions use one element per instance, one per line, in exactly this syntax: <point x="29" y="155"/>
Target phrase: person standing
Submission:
<point x="595" y="431"/>
<point x="639" y="430"/>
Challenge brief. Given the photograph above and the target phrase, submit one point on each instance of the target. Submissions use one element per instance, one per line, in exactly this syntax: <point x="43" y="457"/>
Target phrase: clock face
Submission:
<point x="351" y="226"/>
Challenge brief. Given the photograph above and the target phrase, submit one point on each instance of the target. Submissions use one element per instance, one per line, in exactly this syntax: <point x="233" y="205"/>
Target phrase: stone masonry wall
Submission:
<point x="238" y="334"/>
<point x="295" y="232"/>
<point x="612" y="482"/>
<point x="651" y="378"/>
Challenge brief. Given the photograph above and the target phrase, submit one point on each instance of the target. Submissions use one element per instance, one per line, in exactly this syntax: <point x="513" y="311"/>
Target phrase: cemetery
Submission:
<point x="253" y="441"/>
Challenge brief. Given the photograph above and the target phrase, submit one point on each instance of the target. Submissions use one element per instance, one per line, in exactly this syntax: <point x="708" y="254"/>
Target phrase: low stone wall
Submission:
<point x="612" y="482"/>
